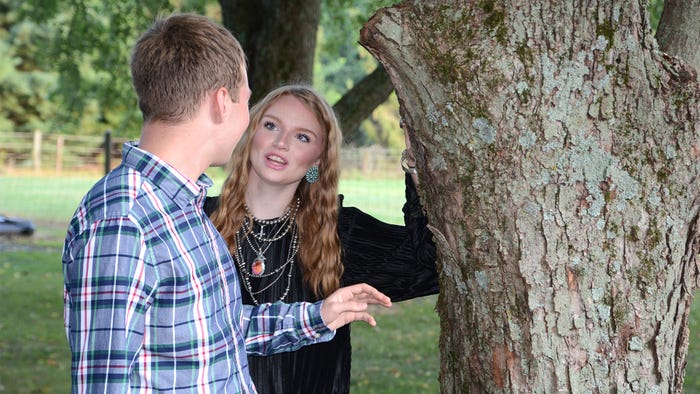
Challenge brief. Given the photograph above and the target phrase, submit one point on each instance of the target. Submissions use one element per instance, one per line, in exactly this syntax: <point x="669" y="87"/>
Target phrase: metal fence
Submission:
<point x="43" y="153"/>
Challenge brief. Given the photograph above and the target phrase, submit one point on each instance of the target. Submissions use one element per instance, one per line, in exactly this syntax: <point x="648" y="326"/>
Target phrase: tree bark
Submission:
<point x="678" y="33"/>
<point x="278" y="37"/>
<point x="558" y="155"/>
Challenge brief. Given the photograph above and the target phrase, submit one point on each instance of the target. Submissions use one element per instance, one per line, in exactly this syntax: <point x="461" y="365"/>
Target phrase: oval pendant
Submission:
<point x="258" y="266"/>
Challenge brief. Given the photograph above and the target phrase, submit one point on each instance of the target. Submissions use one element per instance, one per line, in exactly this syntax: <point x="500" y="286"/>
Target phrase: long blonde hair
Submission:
<point x="317" y="219"/>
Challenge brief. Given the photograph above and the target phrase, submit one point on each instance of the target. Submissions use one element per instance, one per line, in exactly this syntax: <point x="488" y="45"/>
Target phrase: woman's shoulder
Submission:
<point x="211" y="204"/>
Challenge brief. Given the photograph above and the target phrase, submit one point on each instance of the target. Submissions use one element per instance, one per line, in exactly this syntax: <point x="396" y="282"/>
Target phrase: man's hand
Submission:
<point x="349" y="304"/>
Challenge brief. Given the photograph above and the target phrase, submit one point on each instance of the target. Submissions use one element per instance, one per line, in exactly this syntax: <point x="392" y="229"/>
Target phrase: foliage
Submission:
<point x="89" y="47"/>
<point x="656" y="7"/>
<point x="78" y="82"/>
<point x="24" y="85"/>
<point x="341" y="63"/>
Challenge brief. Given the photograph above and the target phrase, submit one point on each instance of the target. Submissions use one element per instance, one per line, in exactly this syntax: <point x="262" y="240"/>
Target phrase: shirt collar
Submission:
<point x="165" y="177"/>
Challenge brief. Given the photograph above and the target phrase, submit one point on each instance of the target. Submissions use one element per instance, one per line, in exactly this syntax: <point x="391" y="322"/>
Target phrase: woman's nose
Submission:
<point x="281" y="140"/>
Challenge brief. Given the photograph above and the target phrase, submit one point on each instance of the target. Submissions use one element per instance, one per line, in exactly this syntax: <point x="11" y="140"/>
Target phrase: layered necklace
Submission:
<point x="252" y="240"/>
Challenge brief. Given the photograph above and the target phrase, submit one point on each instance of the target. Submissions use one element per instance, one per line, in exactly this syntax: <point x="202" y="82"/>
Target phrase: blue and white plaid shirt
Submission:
<point x="152" y="300"/>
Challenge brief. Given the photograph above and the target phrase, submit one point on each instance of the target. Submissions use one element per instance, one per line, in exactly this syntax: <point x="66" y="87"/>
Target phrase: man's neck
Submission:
<point x="174" y="144"/>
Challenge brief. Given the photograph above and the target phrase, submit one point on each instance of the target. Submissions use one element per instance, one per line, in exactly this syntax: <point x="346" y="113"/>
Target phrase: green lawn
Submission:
<point x="52" y="199"/>
<point x="33" y="350"/>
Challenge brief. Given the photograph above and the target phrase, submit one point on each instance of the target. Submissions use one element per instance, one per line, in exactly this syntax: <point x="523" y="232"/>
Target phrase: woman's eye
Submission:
<point x="269" y="125"/>
<point x="303" y="138"/>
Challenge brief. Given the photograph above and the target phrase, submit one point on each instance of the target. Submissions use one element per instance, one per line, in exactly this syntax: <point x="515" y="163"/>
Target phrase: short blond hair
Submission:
<point x="178" y="61"/>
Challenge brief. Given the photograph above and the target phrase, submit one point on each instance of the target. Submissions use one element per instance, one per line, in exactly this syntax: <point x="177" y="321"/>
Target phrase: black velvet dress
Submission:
<point x="398" y="260"/>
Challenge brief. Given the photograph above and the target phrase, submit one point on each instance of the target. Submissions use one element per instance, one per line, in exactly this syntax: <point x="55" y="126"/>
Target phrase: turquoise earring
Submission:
<point x="312" y="174"/>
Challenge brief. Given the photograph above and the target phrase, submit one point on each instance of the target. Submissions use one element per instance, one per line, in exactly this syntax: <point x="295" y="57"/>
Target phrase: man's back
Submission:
<point x="153" y="285"/>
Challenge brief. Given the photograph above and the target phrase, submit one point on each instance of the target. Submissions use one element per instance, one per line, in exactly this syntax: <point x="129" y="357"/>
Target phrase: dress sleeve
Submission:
<point x="108" y="288"/>
<point x="279" y="327"/>
<point x="400" y="261"/>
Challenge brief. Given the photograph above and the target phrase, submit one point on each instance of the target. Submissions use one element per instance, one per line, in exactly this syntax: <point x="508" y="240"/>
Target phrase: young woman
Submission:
<point x="292" y="240"/>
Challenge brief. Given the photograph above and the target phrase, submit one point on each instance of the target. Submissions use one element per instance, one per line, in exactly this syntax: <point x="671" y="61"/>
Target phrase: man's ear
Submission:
<point x="222" y="104"/>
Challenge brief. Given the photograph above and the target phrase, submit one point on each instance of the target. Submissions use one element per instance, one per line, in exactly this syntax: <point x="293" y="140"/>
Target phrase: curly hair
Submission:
<point x="317" y="219"/>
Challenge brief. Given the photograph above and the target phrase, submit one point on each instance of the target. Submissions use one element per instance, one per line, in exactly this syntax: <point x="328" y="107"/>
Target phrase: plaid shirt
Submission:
<point x="152" y="301"/>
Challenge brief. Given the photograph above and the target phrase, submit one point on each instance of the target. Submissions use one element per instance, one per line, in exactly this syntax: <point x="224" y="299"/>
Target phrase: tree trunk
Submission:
<point x="678" y="33"/>
<point x="558" y="152"/>
<point x="278" y="37"/>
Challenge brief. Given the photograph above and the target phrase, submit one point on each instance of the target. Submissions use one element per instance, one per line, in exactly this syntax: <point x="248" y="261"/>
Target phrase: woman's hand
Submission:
<point x="349" y="304"/>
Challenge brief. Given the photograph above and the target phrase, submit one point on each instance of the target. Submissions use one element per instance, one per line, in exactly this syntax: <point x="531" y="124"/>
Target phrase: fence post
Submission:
<point x="36" y="151"/>
<point x="59" y="154"/>
<point x="108" y="151"/>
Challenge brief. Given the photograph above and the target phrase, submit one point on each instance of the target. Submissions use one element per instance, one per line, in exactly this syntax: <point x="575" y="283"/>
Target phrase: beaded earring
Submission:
<point x="312" y="174"/>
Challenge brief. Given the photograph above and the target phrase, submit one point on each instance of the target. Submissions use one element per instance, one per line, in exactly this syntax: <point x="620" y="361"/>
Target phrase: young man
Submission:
<point x="152" y="301"/>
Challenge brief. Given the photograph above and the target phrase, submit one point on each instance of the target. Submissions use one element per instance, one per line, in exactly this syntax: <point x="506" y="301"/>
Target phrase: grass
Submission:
<point x="52" y="199"/>
<point x="400" y="355"/>
<point x="33" y="349"/>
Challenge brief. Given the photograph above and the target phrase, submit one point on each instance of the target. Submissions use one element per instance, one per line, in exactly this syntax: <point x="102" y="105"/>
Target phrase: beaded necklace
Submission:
<point x="286" y="220"/>
<point x="259" y="245"/>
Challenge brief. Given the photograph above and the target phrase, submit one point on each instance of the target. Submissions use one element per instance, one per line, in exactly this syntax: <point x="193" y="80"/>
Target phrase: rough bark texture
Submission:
<point x="558" y="150"/>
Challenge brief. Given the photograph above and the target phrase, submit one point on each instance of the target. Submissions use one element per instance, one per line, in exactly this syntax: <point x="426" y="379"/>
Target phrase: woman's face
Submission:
<point x="288" y="140"/>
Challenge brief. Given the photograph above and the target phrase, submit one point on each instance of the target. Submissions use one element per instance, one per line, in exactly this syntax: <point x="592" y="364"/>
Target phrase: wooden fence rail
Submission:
<point x="46" y="152"/>
<point x="43" y="152"/>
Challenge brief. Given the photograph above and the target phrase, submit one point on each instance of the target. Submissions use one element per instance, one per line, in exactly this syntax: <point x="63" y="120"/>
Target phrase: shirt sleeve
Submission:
<point x="279" y="327"/>
<point x="107" y="288"/>
<point x="399" y="261"/>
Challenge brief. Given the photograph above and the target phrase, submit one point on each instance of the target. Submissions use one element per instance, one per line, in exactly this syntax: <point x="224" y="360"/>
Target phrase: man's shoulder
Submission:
<point x="114" y="194"/>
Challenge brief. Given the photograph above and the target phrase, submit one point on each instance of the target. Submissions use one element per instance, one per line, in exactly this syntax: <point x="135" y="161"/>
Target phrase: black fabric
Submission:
<point x="397" y="260"/>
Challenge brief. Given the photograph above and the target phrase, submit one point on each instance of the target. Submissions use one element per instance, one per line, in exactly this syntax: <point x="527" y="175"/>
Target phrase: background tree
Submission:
<point x="23" y="82"/>
<point x="678" y="34"/>
<point x="560" y="152"/>
<point x="279" y="38"/>
<point x="88" y="46"/>
<point x="79" y="79"/>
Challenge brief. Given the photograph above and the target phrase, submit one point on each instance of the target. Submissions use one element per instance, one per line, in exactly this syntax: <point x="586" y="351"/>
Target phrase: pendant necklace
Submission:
<point x="287" y="266"/>
<point x="258" y="266"/>
<point x="285" y="222"/>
